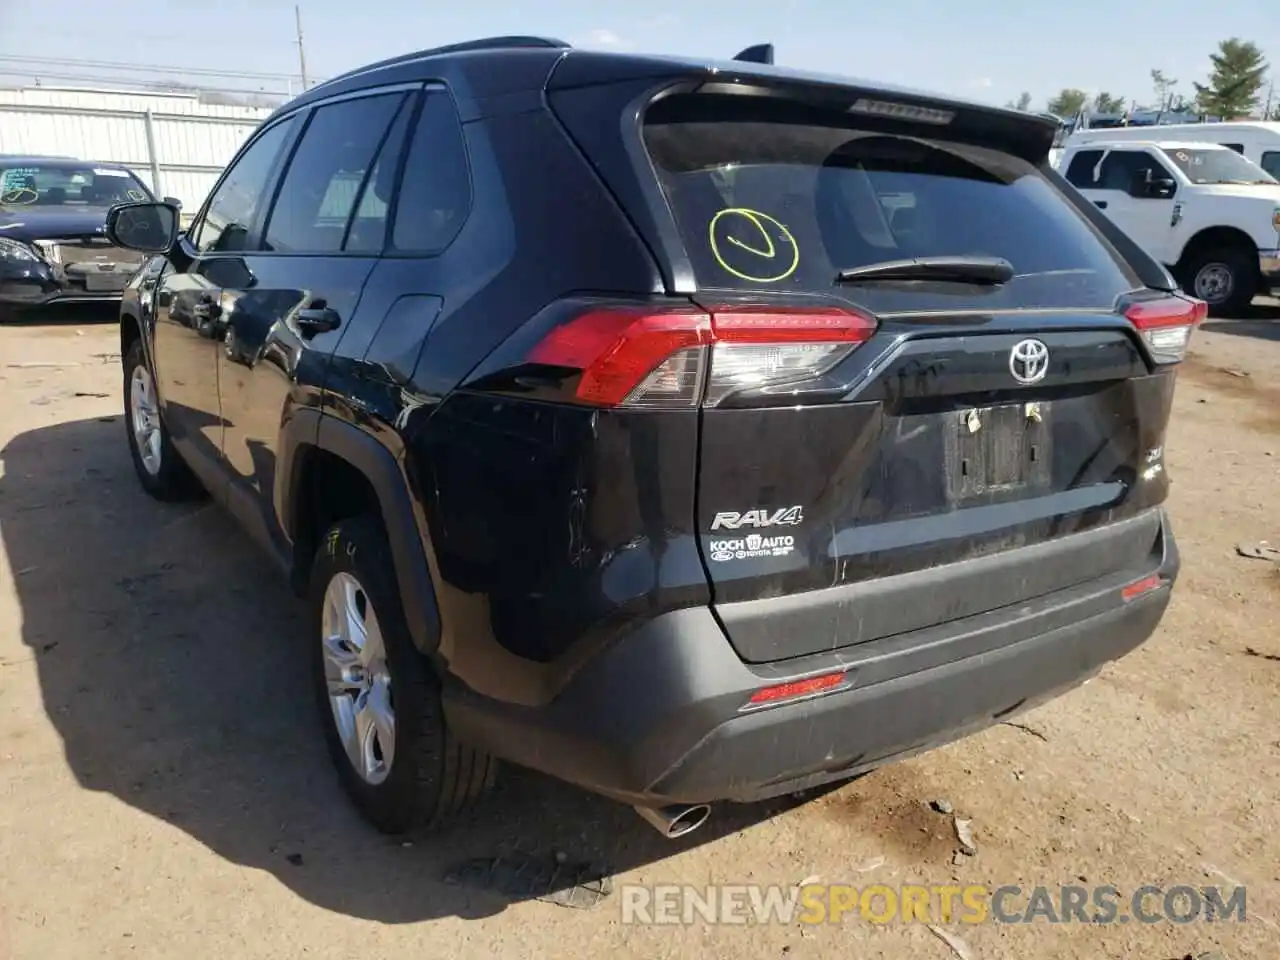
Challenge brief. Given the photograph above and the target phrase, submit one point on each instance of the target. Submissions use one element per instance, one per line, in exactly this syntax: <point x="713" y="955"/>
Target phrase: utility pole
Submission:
<point x="302" y="53"/>
<point x="1266" y="114"/>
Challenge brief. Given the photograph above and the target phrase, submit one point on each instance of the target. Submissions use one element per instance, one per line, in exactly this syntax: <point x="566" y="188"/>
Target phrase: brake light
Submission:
<point x="1167" y="324"/>
<point x="665" y="357"/>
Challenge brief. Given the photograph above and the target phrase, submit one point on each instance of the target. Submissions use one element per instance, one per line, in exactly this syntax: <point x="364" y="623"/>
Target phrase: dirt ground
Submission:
<point x="164" y="790"/>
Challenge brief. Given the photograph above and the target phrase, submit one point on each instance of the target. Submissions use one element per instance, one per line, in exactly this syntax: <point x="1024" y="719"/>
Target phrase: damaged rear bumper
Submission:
<point x="663" y="716"/>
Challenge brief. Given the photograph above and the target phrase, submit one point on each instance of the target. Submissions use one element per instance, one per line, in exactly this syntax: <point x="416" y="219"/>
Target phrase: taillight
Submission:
<point x="665" y="357"/>
<point x="756" y="347"/>
<point x="641" y="357"/>
<point x="1166" y="324"/>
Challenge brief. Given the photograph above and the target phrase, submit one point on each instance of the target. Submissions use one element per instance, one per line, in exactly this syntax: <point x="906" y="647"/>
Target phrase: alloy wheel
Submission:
<point x="359" y="682"/>
<point x="144" y="419"/>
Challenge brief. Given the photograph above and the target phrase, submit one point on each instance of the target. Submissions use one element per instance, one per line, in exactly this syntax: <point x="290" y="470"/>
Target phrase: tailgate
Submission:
<point x="882" y="456"/>
<point x="933" y="492"/>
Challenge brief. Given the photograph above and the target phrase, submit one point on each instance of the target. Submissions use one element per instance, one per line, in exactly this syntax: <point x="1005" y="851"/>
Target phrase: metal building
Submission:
<point x="175" y="143"/>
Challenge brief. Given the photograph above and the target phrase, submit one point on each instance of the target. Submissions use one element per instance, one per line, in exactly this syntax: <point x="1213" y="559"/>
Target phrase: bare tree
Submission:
<point x="1164" y="86"/>
<point x="1023" y="102"/>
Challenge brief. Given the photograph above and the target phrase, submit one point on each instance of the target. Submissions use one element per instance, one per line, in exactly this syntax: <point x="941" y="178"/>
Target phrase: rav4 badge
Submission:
<point x="787" y="516"/>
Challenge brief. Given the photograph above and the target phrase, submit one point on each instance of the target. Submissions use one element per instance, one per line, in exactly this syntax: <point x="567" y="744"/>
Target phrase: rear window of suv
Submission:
<point x="768" y="203"/>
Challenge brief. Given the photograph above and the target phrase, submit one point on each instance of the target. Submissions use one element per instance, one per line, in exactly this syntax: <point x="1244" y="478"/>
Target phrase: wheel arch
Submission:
<point x="330" y="470"/>
<point x="1216" y="237"/>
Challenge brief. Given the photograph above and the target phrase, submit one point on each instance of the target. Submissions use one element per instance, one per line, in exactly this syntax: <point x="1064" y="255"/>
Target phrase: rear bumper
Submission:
<point x="658" y="717"/>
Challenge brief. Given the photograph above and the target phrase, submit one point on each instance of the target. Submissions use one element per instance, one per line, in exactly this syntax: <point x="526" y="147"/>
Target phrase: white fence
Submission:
<point x="174" y="143"/>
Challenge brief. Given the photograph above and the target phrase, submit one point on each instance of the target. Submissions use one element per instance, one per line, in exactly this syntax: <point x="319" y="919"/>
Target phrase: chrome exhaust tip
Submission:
<point x="677" y="820"/>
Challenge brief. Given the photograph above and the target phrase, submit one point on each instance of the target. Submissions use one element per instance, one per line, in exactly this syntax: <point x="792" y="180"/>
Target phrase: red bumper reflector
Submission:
<point x="1139" y="587"/>
<point x="797" y="688"/>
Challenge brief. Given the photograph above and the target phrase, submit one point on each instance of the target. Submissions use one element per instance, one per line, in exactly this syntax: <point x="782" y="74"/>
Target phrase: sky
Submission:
<point x="982" y="49"/>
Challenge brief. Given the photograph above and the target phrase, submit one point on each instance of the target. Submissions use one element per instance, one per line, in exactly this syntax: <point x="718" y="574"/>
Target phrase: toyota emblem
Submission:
<point x="1029" y="361"/>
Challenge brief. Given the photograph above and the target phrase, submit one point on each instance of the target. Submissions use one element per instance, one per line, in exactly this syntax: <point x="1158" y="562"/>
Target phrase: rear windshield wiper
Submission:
<point x="986" y="271"/>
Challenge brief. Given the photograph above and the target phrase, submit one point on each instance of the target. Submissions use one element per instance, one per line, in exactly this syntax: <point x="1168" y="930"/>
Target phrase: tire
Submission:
<point x="160" y="468"/>
<point x="430" y="775"/>
<point x="1226" y="279"/>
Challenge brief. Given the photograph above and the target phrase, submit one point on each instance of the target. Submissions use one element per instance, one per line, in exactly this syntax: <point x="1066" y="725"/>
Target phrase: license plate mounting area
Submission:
<point x="997" y="450"/>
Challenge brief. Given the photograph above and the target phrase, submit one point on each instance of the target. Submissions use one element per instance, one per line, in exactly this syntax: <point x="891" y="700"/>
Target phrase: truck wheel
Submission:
<point x="161" y="470"/>
<point x="379" y="698"/>
<point x="1226" y="279"/>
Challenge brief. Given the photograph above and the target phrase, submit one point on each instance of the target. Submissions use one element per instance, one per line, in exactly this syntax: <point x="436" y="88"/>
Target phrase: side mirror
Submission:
<point x="173" y="202"/>
<point x="1145" y="186"/>
<point x="146" y="226"/>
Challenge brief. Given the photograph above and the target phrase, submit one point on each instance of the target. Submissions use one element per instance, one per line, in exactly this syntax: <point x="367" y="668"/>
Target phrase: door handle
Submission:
<point x="313" y="320"/>
<point x="1100" y="204"/>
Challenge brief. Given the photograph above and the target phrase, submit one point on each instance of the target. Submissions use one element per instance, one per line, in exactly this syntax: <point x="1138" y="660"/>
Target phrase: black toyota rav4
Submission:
<point x="688" y="430"/>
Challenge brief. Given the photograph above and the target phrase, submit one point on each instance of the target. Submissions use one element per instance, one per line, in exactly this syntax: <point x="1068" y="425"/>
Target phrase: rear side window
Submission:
<point x="322" y="185"/>
<point x="368" y="231"/>
<point x="1271" y="163"/>
<point x="781" y="204"/>
<point x="435" y="194"/>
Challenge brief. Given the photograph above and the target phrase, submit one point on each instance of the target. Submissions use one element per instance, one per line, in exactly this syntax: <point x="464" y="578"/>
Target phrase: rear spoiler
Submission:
<point x="752" y="74"/>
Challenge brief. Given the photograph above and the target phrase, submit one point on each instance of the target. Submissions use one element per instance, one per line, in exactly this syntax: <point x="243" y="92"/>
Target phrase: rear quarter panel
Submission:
<point x="550" y="527"/>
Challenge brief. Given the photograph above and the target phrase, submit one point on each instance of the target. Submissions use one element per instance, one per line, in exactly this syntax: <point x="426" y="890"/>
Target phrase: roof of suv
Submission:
<point x="487" y="56"/>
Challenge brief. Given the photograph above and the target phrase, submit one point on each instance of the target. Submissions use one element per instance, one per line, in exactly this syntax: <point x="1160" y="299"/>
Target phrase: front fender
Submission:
<point x="137" y="308"/>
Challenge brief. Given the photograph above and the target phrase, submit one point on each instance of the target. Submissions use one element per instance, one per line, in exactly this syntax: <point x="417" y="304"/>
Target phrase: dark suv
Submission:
<point x="687" y="430"/>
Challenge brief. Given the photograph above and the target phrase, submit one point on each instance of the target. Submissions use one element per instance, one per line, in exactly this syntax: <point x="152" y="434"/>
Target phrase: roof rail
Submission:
<point x="496" y="43"/>
<point x="760" y="53"/>
<point x="467" y="46"/>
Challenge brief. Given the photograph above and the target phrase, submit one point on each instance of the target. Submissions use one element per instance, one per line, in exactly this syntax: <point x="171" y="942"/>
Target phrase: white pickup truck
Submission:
<point x="1208" y="214"/>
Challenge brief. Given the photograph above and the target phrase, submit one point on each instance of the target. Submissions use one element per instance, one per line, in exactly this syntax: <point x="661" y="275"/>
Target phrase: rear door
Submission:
<point x="860" y="439"/>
